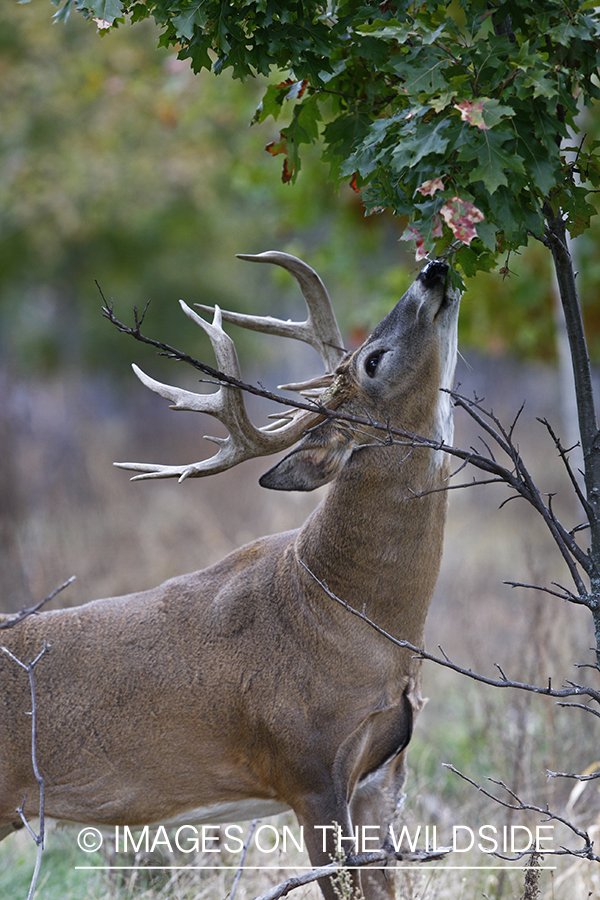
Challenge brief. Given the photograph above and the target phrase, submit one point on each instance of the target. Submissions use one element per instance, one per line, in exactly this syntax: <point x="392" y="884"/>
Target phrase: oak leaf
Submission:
<point x="471" y="111"/>
<point x="461" y="216"/>
<point x="428" y="188"/>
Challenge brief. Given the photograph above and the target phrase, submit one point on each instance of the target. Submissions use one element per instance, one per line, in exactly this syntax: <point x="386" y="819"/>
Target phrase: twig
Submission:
<point x="562" y="595"/>
<point x="38" y="838"/>
<point x="220" y="377"/>
<point x="563" y="455"/>
<point x="585" y="853"/>
<point x="352" y="862"/>
<point x="238" y="874"/>
<point x="522" y="482"/>
<point x="574" y="690"/>
<point x="517" y="477"/>
<point x="24" y="613"/>
<point x="584" y="706"/>
<point x="591" y="777"/>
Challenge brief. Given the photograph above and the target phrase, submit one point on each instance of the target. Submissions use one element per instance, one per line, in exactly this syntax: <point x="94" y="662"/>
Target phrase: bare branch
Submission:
<point x="38" y="838"/>
<point x="563" y="455"/>
<point x="524" y="485"/>
<point x="591" y="777"/>
<point x="586" y="852"/>
<point x="517" y="478"/>
<point x="219" y="377"/>
<point x="584" y="706"/>
<point x="588" y="665"/>
<point x="351" y="862"/>
<point x="574" y="690"/>
<point x="562" y="595"/>
<point x="457" y="487"/>
<point x="514" y="421"/>
<point x="473" y="408"/>
<point x="24" y="613"/>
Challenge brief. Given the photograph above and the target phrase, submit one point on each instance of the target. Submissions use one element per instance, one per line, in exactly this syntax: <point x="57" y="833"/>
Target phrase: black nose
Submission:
<point x="433" y="272"/>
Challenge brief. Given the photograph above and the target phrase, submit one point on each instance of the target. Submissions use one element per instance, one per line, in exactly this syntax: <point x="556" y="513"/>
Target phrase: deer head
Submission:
<point x="396" y="375"/>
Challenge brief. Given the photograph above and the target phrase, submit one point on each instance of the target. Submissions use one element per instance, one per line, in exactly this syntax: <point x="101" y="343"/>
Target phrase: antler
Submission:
<point x="246" y="441"/>
<point x="320" y="329"/>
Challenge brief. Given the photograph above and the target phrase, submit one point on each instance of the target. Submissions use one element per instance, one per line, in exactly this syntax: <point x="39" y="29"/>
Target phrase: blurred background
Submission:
<point x="119" y="166"/>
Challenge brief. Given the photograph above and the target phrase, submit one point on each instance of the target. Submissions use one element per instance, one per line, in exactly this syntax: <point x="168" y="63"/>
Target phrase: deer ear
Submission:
<point x="316" y="461"/>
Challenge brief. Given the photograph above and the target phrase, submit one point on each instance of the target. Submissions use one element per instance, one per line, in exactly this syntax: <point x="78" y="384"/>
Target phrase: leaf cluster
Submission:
<point x="480" y="98"/>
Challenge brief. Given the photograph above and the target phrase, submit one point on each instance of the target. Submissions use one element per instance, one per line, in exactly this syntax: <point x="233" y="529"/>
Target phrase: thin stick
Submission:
<point x="238" y="874"/>
<point x="575" y="690"/>
<point x="352" y="862"/>
<point x="38" y="838"/>
<point x="24" y="613"/>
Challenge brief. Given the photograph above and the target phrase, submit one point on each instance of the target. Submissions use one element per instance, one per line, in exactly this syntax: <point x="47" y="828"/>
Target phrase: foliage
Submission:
<point x="116" y="164"/>
<point x="457" y="116"/>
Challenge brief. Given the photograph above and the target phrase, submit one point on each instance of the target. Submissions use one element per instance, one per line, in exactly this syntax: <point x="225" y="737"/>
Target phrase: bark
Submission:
<point x="556" y="240"/>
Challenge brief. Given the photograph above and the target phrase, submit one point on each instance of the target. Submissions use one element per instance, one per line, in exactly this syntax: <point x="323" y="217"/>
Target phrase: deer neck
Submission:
<point x="376" y="539"/>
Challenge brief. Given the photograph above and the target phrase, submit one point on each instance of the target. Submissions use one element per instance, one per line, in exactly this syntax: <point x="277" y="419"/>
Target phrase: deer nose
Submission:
<point x="433" y="272"/>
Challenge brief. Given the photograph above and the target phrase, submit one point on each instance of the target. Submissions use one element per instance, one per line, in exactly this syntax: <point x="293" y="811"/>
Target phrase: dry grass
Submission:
<point x="65" y="510"/>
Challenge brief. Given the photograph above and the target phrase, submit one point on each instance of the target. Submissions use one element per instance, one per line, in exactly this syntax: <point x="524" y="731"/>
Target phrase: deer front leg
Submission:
<point x="327" y="828"/>
<point x="376" y="804"/>
<point x="378" y="795"/>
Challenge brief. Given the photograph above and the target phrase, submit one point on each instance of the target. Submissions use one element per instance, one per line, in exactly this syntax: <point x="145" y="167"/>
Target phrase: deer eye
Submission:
<point x="372" y="362"/>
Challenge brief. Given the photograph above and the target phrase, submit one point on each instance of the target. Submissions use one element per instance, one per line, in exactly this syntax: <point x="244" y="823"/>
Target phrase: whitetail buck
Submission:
<point x="244" y="689"/>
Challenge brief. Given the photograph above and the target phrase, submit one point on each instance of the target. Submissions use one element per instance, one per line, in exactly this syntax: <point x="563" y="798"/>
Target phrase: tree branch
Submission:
<point x="38" y="838"/>
<point x="556" y="240"/>
<point x="353" y="861"/>
<point x="24" y="613"/>
<point x="563" y="455"/>
<point x="591" y="777"/>
<point x="586" y="853"/>
<point x="518" y="478"/>
<point x="574" y="690"/>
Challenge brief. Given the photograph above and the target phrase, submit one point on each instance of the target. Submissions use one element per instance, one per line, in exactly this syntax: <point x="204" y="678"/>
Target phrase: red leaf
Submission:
<point x="353" y="184"/>
<point x="288" y="171"/>
<point x="461" y="216"/>
<point x="428" y="188"/>
<point x="275" y="149"/>
<point x="412" y="233"/>
<point x="303" y="87"/>
<point x="471" y="111"/>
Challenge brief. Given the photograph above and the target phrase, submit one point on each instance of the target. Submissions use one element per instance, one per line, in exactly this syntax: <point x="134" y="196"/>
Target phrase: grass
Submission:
<point x="64" y="510"/>
<point x="58" y="878"/>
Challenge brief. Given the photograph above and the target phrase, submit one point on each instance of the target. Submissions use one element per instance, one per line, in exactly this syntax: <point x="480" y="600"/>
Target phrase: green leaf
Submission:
<point x="188" y="19"/>
<point x="388" y="30"/>
<point x="308" y="117"/>
<point x="493" y="158"/>
<point x="494" y="112"/>
<point x="272" y="102"/>
<point x="424" y="142"/>
<point x="573" y="202"/>
<point x="109" y="10"/>
<point x="388" y="78"/>
<point x="426" y="77"/>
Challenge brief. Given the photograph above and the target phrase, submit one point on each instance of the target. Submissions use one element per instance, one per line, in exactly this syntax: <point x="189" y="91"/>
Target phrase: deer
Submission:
<point x="243" y="690"/>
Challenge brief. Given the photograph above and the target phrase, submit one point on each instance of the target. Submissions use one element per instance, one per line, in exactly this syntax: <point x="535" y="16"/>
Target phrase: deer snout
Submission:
<point x="435" y="271"/>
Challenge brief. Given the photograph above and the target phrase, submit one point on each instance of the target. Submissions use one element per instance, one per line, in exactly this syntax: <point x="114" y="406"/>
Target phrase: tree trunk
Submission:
<point x="556" y="240"/>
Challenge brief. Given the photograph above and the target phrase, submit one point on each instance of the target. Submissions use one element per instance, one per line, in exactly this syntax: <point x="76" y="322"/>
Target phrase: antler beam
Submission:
<point x="245" y="440"/>
<point x="320" y="329"/>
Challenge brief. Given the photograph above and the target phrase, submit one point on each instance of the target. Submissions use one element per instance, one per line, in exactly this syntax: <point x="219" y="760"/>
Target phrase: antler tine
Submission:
<point x="320" y="329"/>
<point x="244" y="441"/>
